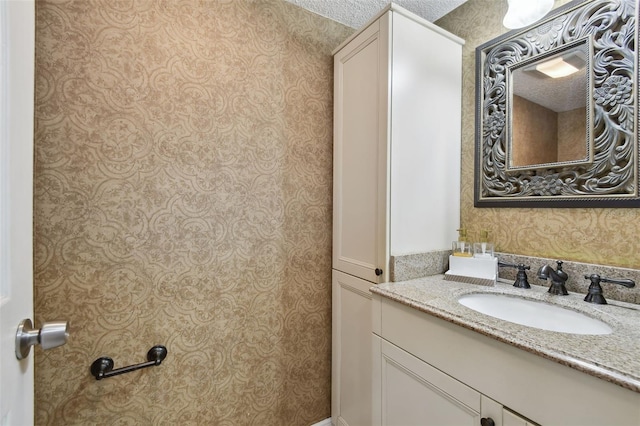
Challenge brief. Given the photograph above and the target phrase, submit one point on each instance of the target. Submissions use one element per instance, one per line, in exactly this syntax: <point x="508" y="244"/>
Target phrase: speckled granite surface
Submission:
<point x="614" y="357"/>
<point x="412" y="266"/>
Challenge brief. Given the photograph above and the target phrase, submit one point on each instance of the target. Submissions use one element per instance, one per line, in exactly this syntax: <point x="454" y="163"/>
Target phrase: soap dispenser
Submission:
<point x="461" y="247"/>
<point x="484" y="248"/>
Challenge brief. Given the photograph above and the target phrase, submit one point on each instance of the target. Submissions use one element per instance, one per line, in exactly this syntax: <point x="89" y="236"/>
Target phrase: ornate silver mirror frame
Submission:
<point x="607" y="175"/>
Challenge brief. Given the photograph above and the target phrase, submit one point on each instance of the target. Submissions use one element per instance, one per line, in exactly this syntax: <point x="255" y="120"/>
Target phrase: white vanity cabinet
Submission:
<point x="429" y="371"/>
<point x="412" y="392"/>
<point x="396" y="182"/>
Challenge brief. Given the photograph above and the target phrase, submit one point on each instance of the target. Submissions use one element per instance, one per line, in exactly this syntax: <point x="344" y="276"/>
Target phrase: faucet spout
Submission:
<point x="558" y="278"/>
<point x="544" y="272"/>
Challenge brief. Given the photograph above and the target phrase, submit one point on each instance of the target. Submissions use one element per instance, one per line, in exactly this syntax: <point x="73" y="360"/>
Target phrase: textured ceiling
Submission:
<point x="356" y="13"/>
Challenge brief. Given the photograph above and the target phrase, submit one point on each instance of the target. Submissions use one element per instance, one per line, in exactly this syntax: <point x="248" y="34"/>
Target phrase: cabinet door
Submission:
<point x="411" y="392"/>
<point x="351" y="351"/>
<point x="360" y="155"/>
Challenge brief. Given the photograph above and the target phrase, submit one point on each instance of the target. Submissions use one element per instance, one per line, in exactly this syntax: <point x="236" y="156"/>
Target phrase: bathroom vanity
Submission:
<point x="437" y="362"/>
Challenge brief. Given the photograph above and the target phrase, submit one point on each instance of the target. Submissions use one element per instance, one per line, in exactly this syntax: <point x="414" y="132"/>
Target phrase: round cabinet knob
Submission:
<point x="378" y="271"/>
<point x="487" y="421"/>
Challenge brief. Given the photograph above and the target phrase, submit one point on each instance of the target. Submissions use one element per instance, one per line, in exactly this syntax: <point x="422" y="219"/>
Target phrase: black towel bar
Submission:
<point x="103" y="367"/>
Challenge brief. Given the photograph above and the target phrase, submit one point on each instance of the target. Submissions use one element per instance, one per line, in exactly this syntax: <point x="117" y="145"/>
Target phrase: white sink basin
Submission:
<point x="533" y="313"/>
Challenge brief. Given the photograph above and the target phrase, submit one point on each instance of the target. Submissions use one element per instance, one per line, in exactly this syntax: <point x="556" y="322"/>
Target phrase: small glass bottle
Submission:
<point x="484" y="248"/>
<point x="462" y="247"/>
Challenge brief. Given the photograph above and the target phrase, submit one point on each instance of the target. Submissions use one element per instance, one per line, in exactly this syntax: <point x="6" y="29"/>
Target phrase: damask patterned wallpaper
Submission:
<point x="183" y="197"/>
<point x="601" y="236"/>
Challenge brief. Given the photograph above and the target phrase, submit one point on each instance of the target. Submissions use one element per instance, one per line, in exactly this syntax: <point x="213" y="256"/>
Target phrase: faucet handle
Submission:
<point x="595" y="289"/>
<point x="521" y="278"/>
<point x="622" y="281"/>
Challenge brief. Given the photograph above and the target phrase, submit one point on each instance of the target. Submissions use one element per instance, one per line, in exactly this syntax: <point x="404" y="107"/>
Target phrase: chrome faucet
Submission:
<point x="558" y="278"/>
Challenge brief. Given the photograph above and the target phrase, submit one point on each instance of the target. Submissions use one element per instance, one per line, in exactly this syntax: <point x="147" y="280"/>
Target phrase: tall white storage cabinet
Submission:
<point x="397" y="108"/>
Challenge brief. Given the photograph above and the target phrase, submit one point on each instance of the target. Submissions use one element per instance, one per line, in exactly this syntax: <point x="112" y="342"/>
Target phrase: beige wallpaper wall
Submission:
<point x="183" y="197"/>
<point x="571" y="135"/>
<point x="603" y="236"/>
<point x="536" y="133"/>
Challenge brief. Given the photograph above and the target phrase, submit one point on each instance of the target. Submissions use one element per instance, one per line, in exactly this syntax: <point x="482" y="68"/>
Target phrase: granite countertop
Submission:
<point x="613" y="357"/>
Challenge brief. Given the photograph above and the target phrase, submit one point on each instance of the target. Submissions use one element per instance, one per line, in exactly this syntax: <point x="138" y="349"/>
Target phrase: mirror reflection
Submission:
<point x="549" y="110"/>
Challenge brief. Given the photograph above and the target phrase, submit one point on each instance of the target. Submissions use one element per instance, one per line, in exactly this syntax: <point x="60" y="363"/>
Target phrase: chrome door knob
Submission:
<point x="51" y="335"/>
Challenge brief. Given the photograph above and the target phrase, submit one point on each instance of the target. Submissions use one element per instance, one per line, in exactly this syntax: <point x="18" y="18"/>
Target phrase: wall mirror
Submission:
<point x="556" y="114"/>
